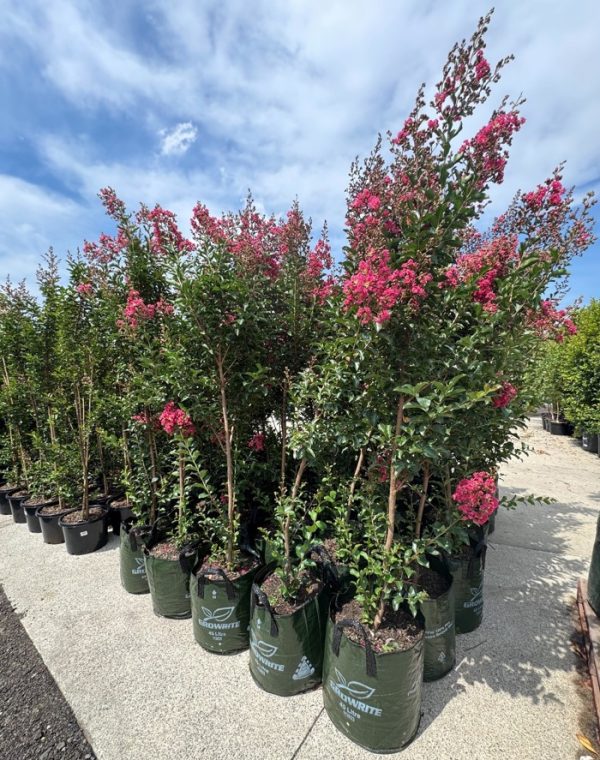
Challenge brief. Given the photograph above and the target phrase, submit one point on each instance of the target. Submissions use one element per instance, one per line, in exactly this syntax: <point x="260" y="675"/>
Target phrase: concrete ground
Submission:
<point x="142" y="688"/>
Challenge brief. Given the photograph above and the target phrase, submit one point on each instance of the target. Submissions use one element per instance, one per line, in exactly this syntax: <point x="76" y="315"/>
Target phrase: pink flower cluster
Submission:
<point x="114" y="206"/>
<point x="482" y="67"/>
<point x="550" y="322"/>
<point x="165" y="236"/>
<point x="175" y="420"/>
<point x="504" y="396"/>
<point x="145" y="418"/>
<point x="487" y="150"/>
<point x="376" y="287"/>
<point x="476" y="498"/>
<point x="85" y="288"/>
<point x="136" y="310"/>
<point x="257" y="442"/>
<point x="318" y="261"/>
<point x="493" y="259"/>
<point x="107" y="248"/>
<point x="552" y="192"/>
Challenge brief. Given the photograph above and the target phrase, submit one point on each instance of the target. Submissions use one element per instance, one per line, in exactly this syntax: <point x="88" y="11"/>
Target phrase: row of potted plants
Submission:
<point x="306" y="454"/>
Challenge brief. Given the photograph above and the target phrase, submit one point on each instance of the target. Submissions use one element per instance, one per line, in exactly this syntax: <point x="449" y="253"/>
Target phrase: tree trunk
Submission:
<point x="391" y="514"/>
<point x="422" y="500"/>
<point x="229" y="462"/>
<point x="286" y="524"/>
<point x="355" y="476"/>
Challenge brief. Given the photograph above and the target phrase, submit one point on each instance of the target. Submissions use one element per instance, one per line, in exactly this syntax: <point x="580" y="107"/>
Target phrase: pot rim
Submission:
<point x="83" y="522"/>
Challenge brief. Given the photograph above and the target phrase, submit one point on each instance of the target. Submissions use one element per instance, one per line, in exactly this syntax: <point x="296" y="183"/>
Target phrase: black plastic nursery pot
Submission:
<point x="117" y="515"/>
<point x="593" y="589"/>
<point x="221" y="608"/>
<point x="51" y="530"/>
<point x="33" y="521"/>
<point x="4" y="502"/>
<point x="559" y="428"/>
<point x="286" y="651"/>
<point x="589" y="442"/>
<point x="168" y="581"/>
<point x="373" y="699"/>
<point x="467" y="572"/>
<point x="131" y="557"/>
<point x="16" y="500"/>
<point x="86" y="536"/>
<point x="440" y="631"/>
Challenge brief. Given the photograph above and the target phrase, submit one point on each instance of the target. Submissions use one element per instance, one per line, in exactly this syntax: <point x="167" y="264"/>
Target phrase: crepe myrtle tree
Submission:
<point x="130" y="265"/>
<point x="436" y="321"/>
<point x="581" y="370"/>
<point x="246" y="298"/>
<point x="19" y="405"/>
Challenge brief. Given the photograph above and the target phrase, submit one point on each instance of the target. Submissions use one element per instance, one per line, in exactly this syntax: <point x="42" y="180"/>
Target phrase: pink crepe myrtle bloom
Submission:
<point x="476" y="498"/>
<point x="504" y="396"/>
<point x="147" y="419"/>
<point x="136" y="309"/>
<point x="114" y="206"/>
<point x="257" y="442"/>
<point x="173" y="420"/>
<point x="85" y="288"/>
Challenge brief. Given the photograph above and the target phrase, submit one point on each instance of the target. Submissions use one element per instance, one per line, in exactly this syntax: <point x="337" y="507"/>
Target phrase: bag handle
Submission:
<point x="337" y="638"/>
<point x="186" y="557"/>
<point x="259" y="597"/>
<point x="479" y="550"/>
<point x="202" y="574"/>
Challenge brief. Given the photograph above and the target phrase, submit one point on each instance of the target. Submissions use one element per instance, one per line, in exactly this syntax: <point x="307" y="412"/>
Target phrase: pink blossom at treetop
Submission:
<point x="550" y="322"/>
<point x="85" y="288"/>
<point x="114" y="206"/>
<point x="504" y="396"/>
<point x="487" y="151"/>
<point x="484" y="267"/>
<point x="376" y="287"/>
<point x="173" y="420"/>
<point x="482" y="67"/>
<point x="166" y="236"/>
<point x="137" y="309"/>
<point x="257" y="442"/>
<point x="476" y="498"/>
<point x="107" y="249"/>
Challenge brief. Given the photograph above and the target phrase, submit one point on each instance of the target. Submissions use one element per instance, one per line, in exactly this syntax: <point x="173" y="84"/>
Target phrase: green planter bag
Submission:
<point x="440" y="632"/>
<point x="133" y="568"/>
<point x="373" y="699"/>
<point x="594" y="574"/>
<point x="221" y="609"/>
<point x="168" y="580"/>
<point x="286" y="651"/>
<point x="467" y="573"/>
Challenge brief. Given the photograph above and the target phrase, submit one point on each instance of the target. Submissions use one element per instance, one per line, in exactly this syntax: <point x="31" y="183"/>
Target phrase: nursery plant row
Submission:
<point x="302" y="455"/>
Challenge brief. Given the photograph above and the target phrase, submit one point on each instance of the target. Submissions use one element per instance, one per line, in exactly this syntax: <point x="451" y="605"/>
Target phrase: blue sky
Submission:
<point x="174" y="102"/>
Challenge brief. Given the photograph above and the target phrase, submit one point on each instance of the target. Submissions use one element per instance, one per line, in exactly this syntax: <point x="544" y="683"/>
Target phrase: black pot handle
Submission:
<point x="201" y="575"/>
<point x="186" y="557"/>
<point x="259" y="597"/>
<point x="337" y="638"/>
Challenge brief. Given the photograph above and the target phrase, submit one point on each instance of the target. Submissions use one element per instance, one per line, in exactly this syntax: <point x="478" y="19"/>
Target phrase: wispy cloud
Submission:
<point x="177" y="141"/>
<point x="284" y="95"/>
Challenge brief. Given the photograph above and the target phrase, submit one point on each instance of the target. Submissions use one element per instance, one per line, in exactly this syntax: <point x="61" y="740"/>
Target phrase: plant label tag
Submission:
<point x="83" y="533"/>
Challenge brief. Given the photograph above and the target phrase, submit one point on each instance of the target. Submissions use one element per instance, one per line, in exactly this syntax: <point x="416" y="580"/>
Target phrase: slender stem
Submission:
<point x="181" y="490"/>
<point x="283" y="437"/>
<point x="355" y="476"/>
<point x="153" y="475"/>
<point x="102" y="463"/>
<point x="229" y="461"/>
<point x="422" y="500"/>
<point x="288" y="519"/>
<point x="391" y="513"/>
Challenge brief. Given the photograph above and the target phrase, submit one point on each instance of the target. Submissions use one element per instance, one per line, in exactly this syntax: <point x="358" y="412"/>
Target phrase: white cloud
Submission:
<point x="287" y="94"/>
<point x="178" y="140"/>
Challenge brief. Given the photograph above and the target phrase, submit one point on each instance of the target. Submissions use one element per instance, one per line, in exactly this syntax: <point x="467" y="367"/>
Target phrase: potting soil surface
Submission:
<point x="143" y="688"/>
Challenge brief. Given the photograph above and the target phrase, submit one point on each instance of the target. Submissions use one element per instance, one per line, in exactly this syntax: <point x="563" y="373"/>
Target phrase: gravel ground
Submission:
<point x="36" y="722"/>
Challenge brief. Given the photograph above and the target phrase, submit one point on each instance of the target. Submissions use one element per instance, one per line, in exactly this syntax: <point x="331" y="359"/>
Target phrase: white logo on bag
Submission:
<point x="354" y="688"/>
<point x="263" y="651"/>
<point x="476" y="594"/>
<point x="349" y="691"/>
<point x="216" y="618"/>
<point x="141" y="568"/>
